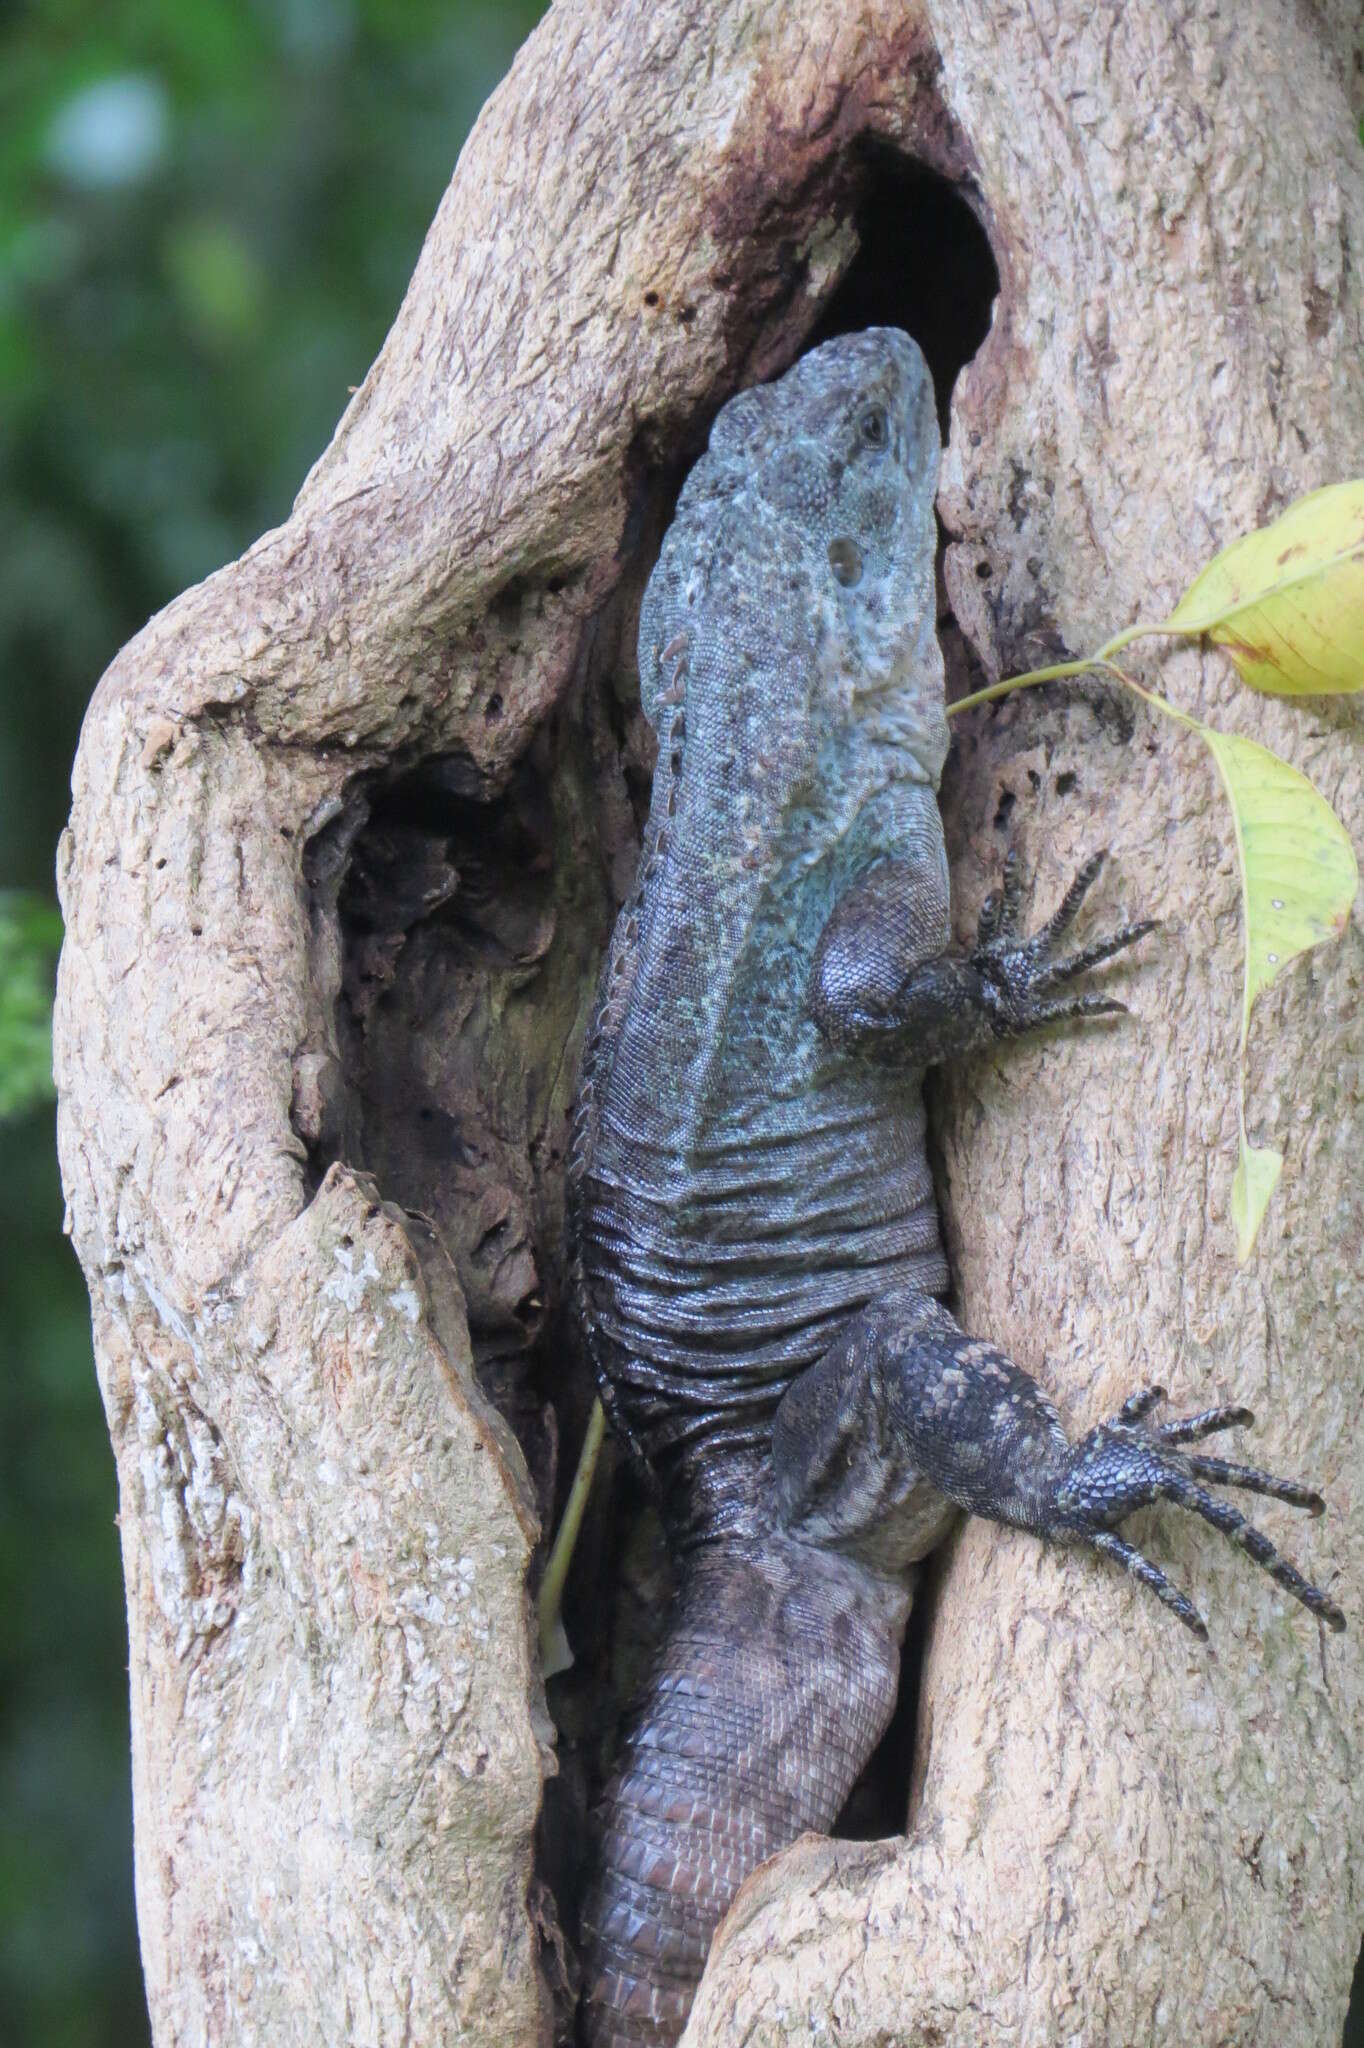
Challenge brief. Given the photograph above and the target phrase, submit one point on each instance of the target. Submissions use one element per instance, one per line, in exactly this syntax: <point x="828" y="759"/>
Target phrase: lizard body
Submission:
<point x="756" y="1255"/>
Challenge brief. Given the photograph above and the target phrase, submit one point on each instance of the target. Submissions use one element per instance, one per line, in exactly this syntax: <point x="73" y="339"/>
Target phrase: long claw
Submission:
<point x="1222" y="1472"/>
<point x="1091" y="956"/>
<point x="1189" y="1429"/>
<point x="1247" y="1537"/>
<point x="1127" y="1463"/>
<point x="1064" y="914"/>
<point x="1131" y="1560"/>
<point x="1017" y="974"/>
<point x="1011" y="894"/>
<point x="999" y="912"/>
<point x="1080" y="1006"/>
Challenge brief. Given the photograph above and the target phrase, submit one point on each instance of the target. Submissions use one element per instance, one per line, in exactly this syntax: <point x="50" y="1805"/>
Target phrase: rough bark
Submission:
<point x="338" y="1728"/>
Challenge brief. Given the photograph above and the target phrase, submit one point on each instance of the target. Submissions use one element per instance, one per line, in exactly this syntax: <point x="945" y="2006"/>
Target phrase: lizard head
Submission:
<point x="816" y="496"/>
<point x="852" y="470"/>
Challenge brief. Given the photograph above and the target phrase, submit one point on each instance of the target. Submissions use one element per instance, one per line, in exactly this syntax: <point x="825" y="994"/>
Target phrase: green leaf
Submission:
<point x="1287" y="603"/>
<point x="1299" y="877"/>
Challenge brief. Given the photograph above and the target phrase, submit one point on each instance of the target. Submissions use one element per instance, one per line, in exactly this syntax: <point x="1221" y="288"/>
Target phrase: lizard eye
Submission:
<point x="874" y="427"/>
<point x="845" y="559"/>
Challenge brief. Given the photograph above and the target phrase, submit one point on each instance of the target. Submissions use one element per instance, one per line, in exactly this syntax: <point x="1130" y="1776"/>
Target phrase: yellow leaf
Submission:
<point x="1287" y="603"/>
<point x="1298" y="868"/>
<point x="1257" y="1176"/>
<point x="1298" y="880"/>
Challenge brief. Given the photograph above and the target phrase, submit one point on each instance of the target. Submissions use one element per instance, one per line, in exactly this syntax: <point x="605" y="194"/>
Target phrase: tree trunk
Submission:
<point x="349" y="822"/>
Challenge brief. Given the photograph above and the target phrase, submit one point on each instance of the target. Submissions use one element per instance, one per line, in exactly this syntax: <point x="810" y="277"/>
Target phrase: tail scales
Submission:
<point x="774" y="1684"/>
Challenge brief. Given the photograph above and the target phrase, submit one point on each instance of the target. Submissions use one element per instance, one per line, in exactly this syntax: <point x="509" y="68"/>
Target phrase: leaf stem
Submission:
<point x="1023" y="682"/>
<point x="553" y="1648"/>
<point x="1056" y="670"/>
<point x="1151" y="697"/>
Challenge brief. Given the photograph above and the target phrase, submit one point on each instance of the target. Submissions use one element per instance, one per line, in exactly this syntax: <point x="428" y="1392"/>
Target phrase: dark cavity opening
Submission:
<point x="467" y="904"/>
<point x="881" y="1802"/>
<point x="471" y="908"/>
<point x="924" y="263"/>
<point x="1354" y="2018"/>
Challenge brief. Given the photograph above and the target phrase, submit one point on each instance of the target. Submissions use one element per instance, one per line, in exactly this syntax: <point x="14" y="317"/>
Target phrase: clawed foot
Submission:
<point x="1127" y="1463"/>
<point x="1018" y="974"/>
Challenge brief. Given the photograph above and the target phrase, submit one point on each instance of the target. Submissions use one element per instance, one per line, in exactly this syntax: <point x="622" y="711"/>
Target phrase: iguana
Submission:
<point x="756" y="1254"/>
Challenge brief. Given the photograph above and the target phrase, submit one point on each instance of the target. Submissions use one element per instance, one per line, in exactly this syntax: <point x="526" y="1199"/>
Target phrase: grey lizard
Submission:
<point x="756" y="1253"/>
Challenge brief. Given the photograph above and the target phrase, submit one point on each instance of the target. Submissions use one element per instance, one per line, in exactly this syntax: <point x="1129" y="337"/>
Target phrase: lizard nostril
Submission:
<point x="845" y="559"/>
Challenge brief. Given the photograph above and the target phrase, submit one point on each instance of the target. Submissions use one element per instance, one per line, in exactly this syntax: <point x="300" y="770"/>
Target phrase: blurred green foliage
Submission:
<point x="209" y="210"/>
<point x="30" y="933"/>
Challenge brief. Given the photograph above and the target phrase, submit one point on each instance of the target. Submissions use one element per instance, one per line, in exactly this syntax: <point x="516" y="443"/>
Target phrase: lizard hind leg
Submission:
<point x="906" y="1408"/>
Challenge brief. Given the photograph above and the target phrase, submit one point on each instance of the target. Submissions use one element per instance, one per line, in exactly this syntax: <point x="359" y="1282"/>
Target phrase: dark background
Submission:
<point x="209" y="211"/>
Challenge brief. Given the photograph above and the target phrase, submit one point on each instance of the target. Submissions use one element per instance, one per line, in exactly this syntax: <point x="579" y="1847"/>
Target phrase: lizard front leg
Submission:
<point x="906" y="1410"/>
<point x="879" y="984"/>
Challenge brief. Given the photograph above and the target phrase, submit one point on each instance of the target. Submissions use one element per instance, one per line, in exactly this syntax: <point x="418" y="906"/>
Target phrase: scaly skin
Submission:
<point x="755" y="1244"/>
